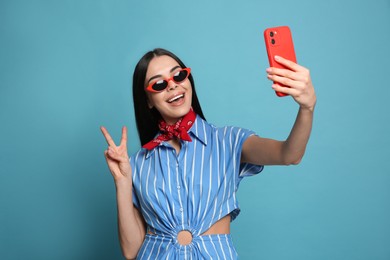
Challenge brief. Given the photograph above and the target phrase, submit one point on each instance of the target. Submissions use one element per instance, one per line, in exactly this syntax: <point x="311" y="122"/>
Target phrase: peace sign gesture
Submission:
<point x="117" y="157"/>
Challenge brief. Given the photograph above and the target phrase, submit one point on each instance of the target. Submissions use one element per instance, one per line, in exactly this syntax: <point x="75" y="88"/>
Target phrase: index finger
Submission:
<point x="288" y="63"/>
<point x="108" y="137"/>
<point x="124" y="136"/>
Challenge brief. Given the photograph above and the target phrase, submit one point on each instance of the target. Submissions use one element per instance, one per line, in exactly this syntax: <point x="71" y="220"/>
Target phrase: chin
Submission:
<point x="182" y="111"/>
<point x="176" y="113"/>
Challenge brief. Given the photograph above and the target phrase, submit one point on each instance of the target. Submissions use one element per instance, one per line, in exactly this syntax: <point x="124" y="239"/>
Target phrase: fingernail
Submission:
<point x="268" y="70"/>
<point x="277" y="57"/>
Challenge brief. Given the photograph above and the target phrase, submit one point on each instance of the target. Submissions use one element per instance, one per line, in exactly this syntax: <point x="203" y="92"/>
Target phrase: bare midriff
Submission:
<point x="222" y="226"/>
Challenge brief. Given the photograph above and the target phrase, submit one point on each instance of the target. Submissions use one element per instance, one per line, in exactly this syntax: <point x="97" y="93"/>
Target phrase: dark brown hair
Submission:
<point x="146" y="118"/>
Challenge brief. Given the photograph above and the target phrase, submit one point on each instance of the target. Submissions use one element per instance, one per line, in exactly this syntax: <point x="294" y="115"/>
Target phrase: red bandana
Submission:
<point x="179" y="129"/>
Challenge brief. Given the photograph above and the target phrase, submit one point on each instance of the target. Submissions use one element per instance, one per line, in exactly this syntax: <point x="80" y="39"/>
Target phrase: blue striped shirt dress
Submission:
<point x="190" y="191"/>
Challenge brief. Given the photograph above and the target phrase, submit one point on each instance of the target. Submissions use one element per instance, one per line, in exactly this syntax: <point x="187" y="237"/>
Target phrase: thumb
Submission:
<point x="114" y="155"/>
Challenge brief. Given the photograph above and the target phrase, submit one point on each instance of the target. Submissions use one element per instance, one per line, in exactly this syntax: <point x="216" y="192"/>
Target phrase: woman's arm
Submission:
<point x="131" y="225"/>
<point x="263" y="151"/>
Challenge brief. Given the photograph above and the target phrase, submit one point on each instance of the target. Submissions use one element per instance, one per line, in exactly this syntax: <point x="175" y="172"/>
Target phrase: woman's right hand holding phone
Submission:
<point x="117" y="157"/>
<point x="294" y="81"/>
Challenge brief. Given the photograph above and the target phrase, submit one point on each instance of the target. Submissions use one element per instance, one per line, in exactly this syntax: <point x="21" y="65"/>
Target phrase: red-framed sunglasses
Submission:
<point x="162" y="84"/>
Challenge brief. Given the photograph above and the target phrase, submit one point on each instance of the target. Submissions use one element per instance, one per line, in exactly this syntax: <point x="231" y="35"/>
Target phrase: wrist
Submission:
<point x="307" y="108"/>
<point x="123" y="183"/>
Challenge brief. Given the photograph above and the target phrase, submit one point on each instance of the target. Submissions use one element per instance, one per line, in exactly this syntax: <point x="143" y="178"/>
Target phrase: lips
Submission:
<point x="175" y="98"/>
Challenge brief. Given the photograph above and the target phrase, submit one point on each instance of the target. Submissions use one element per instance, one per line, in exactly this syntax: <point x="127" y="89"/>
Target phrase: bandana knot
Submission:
<point x="179" y="130"/>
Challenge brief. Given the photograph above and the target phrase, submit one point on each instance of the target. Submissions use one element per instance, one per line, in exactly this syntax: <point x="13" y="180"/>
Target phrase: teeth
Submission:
<point x="175" y="98"/>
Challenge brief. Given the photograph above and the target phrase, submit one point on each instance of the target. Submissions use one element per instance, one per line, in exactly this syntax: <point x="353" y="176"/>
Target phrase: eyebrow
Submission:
<point x="157" y="76"/>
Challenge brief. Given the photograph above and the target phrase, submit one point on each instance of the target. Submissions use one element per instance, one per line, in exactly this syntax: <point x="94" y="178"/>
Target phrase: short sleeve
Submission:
<point x="247" y="169"/>
<point x="241" y="169"/>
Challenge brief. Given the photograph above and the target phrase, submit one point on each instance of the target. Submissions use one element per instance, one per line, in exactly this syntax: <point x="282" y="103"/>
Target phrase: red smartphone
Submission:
<point x="278" y="41"/>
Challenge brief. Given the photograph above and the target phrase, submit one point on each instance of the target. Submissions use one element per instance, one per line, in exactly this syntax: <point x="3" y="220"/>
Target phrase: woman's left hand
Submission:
<point x="298" y="82"/>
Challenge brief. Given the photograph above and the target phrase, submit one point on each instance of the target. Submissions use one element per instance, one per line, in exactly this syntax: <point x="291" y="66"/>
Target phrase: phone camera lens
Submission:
<point x="271" y="34"/>
<point x="273" y="41"/>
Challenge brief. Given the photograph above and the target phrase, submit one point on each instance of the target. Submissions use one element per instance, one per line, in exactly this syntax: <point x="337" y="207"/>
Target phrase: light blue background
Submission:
<point x="66" y="68"/>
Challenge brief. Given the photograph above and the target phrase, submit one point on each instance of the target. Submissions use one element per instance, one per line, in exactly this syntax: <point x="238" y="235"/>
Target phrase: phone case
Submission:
<point x="278" y="41"/>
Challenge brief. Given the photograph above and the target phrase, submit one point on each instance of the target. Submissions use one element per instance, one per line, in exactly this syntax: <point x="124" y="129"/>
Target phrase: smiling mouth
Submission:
<point x="174" y="99"/>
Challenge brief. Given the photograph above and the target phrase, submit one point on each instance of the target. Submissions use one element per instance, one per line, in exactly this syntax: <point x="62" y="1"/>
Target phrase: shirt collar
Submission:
<point x="199" y="130"/>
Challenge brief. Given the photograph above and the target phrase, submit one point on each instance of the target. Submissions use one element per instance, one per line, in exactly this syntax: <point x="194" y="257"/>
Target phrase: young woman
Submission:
<point x="177" y="195"/>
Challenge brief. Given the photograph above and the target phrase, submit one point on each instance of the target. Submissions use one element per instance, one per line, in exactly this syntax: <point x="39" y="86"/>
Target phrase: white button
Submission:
<point x="181" y="209"/>
<point x="178" y="187"/>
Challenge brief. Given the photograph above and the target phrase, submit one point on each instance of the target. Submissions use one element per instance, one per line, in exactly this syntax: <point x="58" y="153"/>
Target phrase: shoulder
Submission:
<point x="201" y="124"/>
<point x="233" y="132"/>
<point x="138" y="156"/>
<point x="233" y="135"/>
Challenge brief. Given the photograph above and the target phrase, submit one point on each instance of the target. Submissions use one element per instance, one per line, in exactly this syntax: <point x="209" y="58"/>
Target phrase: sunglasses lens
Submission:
<point x="180" y="76"/>
<point x="163" y="84"/>
<point x="160" y="85"/>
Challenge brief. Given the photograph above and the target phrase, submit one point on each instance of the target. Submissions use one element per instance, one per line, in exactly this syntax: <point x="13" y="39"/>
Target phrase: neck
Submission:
<point x="171" y="121"/>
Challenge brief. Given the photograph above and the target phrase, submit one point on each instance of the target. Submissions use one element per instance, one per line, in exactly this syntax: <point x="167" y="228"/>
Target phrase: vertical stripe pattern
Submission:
<point x="190" y="191"/>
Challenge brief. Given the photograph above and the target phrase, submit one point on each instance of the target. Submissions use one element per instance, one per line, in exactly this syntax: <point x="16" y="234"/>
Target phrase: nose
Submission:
<point x="172" y="85"/>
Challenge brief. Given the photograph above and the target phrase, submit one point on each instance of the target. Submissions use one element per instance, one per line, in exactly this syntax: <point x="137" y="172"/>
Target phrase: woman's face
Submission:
<point x="175" y="101"/>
